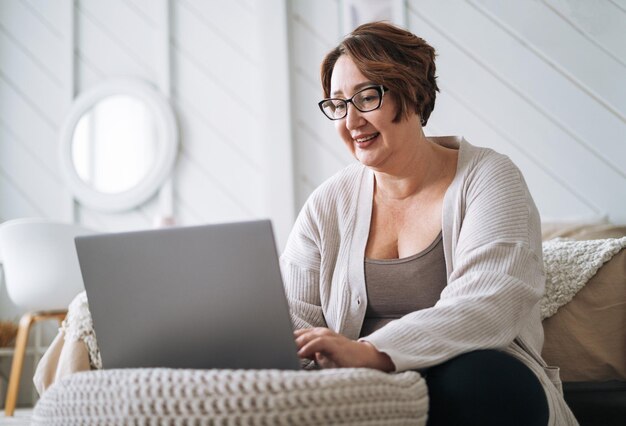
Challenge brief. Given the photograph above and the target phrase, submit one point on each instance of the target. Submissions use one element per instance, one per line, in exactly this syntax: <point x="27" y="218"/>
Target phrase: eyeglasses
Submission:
<point x="365" y="100"/>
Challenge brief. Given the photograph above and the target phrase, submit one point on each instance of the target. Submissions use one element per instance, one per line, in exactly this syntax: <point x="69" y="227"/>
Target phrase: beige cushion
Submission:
<point x="581" y="231"/>
<point x="586" y="338"/>
<point x="61" y="359"/>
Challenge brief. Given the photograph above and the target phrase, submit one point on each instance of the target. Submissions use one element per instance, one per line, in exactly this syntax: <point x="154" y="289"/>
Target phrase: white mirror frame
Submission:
<point x="167" y="130"/>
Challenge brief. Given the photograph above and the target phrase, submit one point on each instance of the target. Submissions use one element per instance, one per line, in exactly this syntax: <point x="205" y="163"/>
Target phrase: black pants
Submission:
<point x="485" y="387"/>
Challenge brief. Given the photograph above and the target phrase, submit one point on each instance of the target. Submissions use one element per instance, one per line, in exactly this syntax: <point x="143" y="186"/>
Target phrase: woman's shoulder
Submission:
<point x="336" y="199"/>
<point x="487" y="175"/>
<point x="478" y="161"/>
<point x="342" y="184"/>
<point x="472" y="157"/>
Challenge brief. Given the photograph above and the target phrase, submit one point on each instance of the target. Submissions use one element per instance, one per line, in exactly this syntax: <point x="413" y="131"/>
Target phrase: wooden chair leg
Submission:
<point x="21" y="342"/>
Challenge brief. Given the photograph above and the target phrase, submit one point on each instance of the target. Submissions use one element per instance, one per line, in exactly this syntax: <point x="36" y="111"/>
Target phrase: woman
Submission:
<point x="426" y="254"/>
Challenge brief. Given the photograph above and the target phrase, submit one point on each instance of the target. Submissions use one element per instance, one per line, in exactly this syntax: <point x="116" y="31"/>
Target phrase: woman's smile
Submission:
<point x="364" y="141"/>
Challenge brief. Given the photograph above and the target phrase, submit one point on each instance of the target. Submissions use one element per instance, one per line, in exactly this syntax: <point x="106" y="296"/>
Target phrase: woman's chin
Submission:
<point x="367" y="159"/>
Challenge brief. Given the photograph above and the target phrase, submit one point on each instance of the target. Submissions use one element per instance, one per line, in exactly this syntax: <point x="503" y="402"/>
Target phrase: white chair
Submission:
<point x="42" y="276"/>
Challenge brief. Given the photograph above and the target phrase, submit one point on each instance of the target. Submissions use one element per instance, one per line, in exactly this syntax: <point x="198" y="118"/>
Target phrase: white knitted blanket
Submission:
<point x="235" y="397"/>
<point x="79" y="326"/>
<point x="569" y="265"/>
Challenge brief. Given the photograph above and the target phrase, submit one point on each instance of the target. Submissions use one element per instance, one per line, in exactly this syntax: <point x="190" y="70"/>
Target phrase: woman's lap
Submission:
<point x="485" y="387"/>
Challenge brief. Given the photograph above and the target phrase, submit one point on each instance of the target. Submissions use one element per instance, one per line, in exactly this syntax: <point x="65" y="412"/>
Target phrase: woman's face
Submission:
<point x="372" y="137"/>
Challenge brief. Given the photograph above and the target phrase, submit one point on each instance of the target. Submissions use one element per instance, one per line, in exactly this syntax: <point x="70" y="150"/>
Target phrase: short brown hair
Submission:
<point x="395" y="58"/>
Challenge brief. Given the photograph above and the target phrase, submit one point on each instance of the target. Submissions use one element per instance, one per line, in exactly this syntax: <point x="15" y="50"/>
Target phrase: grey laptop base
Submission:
<point x="189" y="297"/>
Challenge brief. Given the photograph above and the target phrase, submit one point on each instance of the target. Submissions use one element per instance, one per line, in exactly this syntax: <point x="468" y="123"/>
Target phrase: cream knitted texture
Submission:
<point x="569" y="266"/>
<point x="235" y="397"/>
<point x="79" y="326"/>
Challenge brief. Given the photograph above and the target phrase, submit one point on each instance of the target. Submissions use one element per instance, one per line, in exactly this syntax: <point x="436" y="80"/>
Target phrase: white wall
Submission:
<point x="217" y="67"/>
<point x="541" y="81"/>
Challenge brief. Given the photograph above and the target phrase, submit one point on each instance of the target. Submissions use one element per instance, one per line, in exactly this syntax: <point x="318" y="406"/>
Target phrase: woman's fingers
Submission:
<point x="324" y="362"/>
<point x="332" y="350"/>
<point x="301" y="331"/>
<point x="317" y="330"/>
<point x="316" y="344"/>
<point x="304" y="336"/>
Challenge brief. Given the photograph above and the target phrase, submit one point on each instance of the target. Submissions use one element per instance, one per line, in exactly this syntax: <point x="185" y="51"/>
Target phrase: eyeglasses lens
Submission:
<point x="366" y="100"/>
<point x="334" y="108"/>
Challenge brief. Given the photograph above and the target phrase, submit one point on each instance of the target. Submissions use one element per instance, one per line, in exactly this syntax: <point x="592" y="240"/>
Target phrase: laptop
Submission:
<point x="189" y="297"/>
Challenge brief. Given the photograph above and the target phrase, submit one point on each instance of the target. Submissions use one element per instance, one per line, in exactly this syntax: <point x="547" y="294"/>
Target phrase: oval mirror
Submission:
<point x="118" y="144"/>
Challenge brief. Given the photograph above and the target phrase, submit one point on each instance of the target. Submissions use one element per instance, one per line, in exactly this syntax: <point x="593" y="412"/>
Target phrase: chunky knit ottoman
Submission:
<point x="234" y="397"/>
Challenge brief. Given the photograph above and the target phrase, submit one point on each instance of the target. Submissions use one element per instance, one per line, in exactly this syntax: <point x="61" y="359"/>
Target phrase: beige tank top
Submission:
<point x="396" y="287"/>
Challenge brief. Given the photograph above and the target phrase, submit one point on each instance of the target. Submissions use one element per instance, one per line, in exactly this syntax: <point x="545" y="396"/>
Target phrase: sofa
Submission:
<point x="584" y="336"/>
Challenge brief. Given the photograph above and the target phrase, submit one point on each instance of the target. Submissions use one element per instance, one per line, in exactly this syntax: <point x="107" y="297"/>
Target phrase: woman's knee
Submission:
<point x="485" y="387"/>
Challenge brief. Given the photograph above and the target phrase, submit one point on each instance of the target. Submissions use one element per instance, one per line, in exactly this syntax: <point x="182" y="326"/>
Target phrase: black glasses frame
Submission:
<point x="379" y="88"/>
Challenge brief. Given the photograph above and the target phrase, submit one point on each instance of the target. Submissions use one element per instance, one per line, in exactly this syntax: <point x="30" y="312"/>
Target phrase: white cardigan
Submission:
<point x="492" y="245"/>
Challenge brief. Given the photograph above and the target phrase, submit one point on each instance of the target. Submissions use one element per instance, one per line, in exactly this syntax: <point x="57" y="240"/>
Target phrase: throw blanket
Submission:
<point x="569" y="265"/>
<point x="78" y="326"/>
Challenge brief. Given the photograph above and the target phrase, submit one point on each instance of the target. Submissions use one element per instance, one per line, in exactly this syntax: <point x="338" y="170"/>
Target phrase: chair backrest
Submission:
<point x="40" y="264"/>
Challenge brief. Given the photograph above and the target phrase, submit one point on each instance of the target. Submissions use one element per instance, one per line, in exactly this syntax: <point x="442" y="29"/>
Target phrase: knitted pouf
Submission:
<point x="235" y="397"/>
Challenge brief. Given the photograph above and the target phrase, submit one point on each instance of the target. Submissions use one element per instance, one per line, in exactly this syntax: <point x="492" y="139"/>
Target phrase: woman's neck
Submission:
<point x="424" y="166"/>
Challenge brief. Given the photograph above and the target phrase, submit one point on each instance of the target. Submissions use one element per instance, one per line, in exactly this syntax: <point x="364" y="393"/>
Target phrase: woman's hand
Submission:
<point x="331" y="350"/>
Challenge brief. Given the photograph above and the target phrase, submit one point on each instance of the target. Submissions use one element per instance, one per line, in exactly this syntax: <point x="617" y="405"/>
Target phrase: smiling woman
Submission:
<point x="426" y="254"/>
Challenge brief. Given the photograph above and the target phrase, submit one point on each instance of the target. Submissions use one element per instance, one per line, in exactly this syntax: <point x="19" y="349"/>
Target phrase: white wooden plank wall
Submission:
<point x="318" y="151"/>
<point x="541" y="81"/>
<point x="221" y="168"/>
<point x="31" y="107"/>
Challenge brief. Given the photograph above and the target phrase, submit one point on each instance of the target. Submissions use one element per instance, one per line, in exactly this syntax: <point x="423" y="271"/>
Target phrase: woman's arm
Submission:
<point x="300" y="267"/>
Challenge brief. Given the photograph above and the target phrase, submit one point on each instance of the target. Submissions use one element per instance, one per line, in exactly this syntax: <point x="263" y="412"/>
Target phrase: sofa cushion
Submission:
<point x="586" y="338"/>
<point x="581" y="231"/>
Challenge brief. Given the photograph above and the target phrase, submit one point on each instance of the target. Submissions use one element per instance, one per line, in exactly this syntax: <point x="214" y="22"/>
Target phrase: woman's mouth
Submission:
<point x="365" y="141"/>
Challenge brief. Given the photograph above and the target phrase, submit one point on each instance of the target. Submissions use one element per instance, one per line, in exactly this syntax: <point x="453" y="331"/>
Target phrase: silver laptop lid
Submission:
<point x="190" y="297"/>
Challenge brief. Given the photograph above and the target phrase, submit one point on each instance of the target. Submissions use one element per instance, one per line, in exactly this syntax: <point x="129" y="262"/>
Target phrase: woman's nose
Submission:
<point x="354" y="118"/>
